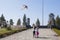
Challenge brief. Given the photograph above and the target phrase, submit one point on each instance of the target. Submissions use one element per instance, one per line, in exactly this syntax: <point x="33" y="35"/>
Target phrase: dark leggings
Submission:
<point x="33" y="33"/>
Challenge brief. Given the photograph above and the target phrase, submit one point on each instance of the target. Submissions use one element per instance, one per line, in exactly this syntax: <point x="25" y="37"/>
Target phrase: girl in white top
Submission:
<point x="36" y="32"/>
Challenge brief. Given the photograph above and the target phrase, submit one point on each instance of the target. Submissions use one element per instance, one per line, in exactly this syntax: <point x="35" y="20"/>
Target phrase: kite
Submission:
<point x="24" y="7"/>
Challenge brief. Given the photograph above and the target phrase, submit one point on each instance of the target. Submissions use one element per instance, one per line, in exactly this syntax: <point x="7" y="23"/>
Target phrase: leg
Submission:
<point x="33" y="33"/>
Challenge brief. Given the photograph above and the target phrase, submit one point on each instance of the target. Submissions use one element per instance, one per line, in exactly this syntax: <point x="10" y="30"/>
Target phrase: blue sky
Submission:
<point x="12" y="9"/>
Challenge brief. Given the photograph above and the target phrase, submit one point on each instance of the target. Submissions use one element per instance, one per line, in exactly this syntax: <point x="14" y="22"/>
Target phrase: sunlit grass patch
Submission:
<point x="57" y="31"/>
<point x="3" y="31"/>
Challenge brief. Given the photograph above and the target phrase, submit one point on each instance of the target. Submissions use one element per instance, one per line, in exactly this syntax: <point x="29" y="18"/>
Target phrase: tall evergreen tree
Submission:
<point x="57" y="21"/>
<point x="19" y="22"/>
<point x="11" y="22"/>
<point x="37" y="22"/>
<point x="28" y="21"/>
<point x="3" y="21"/>
<point x="0" y="21"/>
<point x="24" y="19"/>
<point x="2" y="18"/>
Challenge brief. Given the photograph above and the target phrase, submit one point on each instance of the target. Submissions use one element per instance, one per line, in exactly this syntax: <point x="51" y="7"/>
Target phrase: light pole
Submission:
<point x="42" y="12"/>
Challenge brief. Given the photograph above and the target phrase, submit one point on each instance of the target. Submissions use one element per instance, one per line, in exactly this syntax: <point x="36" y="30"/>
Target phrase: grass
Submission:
<point x="57" y="31"/>
<point x="6" y="32"/>
<point x="3" y="31"/>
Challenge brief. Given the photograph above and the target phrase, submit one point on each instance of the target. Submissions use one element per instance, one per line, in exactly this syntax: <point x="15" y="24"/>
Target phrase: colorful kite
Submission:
<point x="24" y="7"/>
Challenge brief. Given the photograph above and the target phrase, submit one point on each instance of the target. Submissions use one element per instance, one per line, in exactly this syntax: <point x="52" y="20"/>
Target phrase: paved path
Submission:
<point x="45" y="34"/>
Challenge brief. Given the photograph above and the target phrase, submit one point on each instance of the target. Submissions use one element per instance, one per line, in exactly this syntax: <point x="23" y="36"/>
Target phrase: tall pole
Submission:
<point x="42" y="12"/>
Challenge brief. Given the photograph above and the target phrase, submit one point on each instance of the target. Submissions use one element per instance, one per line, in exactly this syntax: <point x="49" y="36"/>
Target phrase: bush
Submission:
<point x="9" y="28"/>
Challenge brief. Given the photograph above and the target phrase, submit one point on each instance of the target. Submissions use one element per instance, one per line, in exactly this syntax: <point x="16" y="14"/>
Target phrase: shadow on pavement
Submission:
<point x="56" y="35"/>
<point x="44" y="37"/>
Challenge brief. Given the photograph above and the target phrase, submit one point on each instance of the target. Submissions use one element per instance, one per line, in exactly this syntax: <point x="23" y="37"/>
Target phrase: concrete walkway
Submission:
<point x="44" y="34"/>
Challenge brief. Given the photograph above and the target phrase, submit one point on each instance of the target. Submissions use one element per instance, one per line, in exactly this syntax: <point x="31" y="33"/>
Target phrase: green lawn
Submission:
<point x="57" y="31"/>
<point x="4" y="30"/>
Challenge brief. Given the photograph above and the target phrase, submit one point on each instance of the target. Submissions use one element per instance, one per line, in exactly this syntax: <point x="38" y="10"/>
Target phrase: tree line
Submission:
<point x="26" y="22"/>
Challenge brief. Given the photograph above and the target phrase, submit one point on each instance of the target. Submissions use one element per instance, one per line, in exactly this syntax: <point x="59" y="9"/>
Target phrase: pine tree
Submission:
<point x="11" y="22"/>
<point x="57" y="21"/>
<point x="24" y="19"/>
<point x="3" y="21"/>
<point x="2" y="18"/>
<point x="28" y="21"/>
<point x="38" y="23"/>
<point x="19" y="22"/>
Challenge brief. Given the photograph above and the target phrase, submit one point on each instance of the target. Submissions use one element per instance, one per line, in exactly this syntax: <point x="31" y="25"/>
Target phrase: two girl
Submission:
<point x="35" y="31"/>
